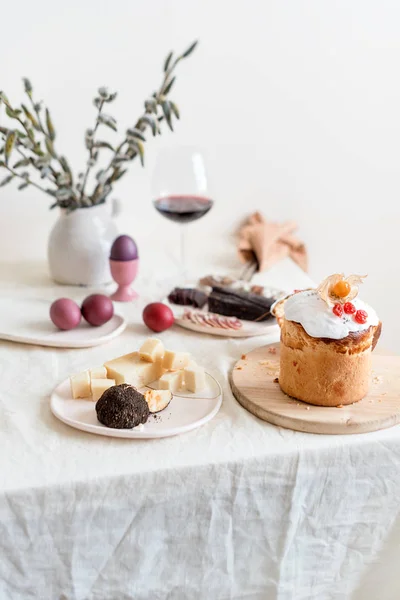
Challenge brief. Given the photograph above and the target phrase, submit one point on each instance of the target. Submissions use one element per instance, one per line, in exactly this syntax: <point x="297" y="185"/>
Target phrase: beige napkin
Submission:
<point x="269" y="242"/>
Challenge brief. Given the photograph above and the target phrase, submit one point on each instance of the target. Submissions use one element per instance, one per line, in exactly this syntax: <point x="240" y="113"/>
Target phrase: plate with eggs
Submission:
<point x="150" y="393"/>
<point x="63" y="324"/>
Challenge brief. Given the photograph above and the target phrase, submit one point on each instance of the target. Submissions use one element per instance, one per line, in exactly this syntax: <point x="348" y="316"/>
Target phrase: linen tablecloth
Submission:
<point x="235" y="509"/>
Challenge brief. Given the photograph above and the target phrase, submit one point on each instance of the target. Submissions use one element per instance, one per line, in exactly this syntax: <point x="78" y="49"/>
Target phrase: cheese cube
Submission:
<point x="98" y="373"/>
<point x="157" y="400"/>
<point x="171" y="381"/>
<point x="130" y="369"/>
<point x="191" y="363"/>
<point x="152" y="350"/>
<point x="195" y="378"/>
<point x="80" y="385"/>
<point x="99" y="386"/>
<point x="175" y="360"/>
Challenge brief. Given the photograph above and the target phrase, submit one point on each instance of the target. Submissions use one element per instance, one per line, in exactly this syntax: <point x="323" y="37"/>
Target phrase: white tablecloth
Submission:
<point x="236" y="509"/>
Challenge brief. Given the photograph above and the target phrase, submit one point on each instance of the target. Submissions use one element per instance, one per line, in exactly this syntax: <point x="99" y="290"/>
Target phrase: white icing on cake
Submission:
<point x="318" y="320"/>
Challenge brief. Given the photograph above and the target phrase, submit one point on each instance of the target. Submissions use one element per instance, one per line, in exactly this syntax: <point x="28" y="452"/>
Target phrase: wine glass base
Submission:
<point x="124" y="294"/>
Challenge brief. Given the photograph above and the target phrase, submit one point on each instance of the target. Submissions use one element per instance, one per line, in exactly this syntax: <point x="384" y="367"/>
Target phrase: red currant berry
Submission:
<point x="349" y="308"/>
<point x="361" y="316"/>
<point x="338" y="310"/>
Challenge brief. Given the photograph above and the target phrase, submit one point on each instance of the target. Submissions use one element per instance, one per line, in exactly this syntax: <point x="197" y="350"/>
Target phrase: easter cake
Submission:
<point x="327" y="336"/>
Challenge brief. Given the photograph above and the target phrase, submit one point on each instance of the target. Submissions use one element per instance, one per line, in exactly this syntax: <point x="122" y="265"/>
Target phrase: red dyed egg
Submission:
<point x="158" y="316"/>
<point x="97" y="309"/>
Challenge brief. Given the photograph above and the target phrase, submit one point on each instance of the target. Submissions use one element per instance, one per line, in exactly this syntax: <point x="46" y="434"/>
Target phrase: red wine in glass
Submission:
<point x="183" y="208"/>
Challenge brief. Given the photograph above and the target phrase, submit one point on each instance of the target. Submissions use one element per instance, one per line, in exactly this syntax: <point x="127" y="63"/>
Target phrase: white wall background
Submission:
<point x="296" y="102"/>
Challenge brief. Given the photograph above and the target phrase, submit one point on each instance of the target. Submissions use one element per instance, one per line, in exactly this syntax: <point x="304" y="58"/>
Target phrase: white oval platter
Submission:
<point x="27" y="321"/>
<point x="185" y="412"/>
<point x="249" y="328"/>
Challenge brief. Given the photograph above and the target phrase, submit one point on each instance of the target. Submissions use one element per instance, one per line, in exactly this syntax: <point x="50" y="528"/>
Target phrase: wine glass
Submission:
<point x="180" y="190"/>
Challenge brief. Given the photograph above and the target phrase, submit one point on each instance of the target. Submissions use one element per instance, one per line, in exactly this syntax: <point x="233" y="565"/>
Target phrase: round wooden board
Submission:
<point x="252" y="382"/>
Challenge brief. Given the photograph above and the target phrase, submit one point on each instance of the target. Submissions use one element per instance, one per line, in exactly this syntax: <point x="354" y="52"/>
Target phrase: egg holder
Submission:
<point x="124" y="272"/>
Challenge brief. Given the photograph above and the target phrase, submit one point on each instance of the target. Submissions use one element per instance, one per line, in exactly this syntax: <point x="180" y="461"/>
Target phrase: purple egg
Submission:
<point x="124" y="248"/>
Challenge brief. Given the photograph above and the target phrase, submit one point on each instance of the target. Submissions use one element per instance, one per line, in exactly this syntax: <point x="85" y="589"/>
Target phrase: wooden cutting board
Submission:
<point x="254" y="384"/>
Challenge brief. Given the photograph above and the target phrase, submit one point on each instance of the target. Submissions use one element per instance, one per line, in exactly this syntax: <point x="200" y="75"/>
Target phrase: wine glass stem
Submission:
<point x="183" y="252"/>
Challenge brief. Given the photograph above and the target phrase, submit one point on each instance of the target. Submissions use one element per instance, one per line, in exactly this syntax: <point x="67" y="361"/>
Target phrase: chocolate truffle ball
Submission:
<point x="122" y="407"/>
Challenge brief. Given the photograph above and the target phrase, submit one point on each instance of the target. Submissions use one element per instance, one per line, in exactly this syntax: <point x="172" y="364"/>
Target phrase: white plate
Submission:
<point x="248" y="329"/>
<point x="186" y="411"/>
<point x="28" y="321"/>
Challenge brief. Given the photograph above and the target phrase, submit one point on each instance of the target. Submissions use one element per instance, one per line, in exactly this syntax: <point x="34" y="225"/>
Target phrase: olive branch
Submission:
<point x="32" y="143"/>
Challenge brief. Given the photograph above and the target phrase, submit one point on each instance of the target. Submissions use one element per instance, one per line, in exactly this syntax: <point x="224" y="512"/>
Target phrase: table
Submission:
<point x="236" y="509"/>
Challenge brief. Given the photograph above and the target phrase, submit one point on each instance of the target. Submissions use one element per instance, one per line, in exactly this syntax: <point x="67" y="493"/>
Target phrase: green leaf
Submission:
<point x="50" y="147"/>
<point x="50" y="126"/>
<point x="150" y="105"/>
<point x="13" y="114"/>
<point x="10" y="141"/>
<point x="27" y="85"/>
<point x="150" y="121"/>
<point x="167" y="62"/>
<point x="24" y="162"/>
<point x="107" y="120"/>
<point x="37" y="149"/>
<point x="117" y="174"/>
<point x="167" y="89"/>
<point x="97" y="190"/>
<point x="100" y="174"/>
<point x="65" y="165"/>
<point x="190" y="49"/>
<point x="137" y="144"/>
<point x="167" y="113"/>
<point x="6" y="180"/>
<point x="175" y="109"/>
<point x="3" y="98"/>
<point x="31" y="118"/>
<point x="104" y="145"/>
<point x="135" y="133"/>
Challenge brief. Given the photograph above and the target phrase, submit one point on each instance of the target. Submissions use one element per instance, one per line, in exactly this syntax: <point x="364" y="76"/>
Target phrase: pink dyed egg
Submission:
<point x="65" y="314"/>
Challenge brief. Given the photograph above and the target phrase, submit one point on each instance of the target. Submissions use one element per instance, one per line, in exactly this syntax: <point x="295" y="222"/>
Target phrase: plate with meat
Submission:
<point x="225" y="307"/>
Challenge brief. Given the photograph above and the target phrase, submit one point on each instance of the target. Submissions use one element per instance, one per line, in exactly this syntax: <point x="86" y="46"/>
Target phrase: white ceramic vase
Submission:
<point x="79" y="245"/>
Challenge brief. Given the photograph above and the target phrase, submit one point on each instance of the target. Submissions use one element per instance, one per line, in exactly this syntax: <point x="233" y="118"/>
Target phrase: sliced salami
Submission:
<point x="207" y="319"/>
